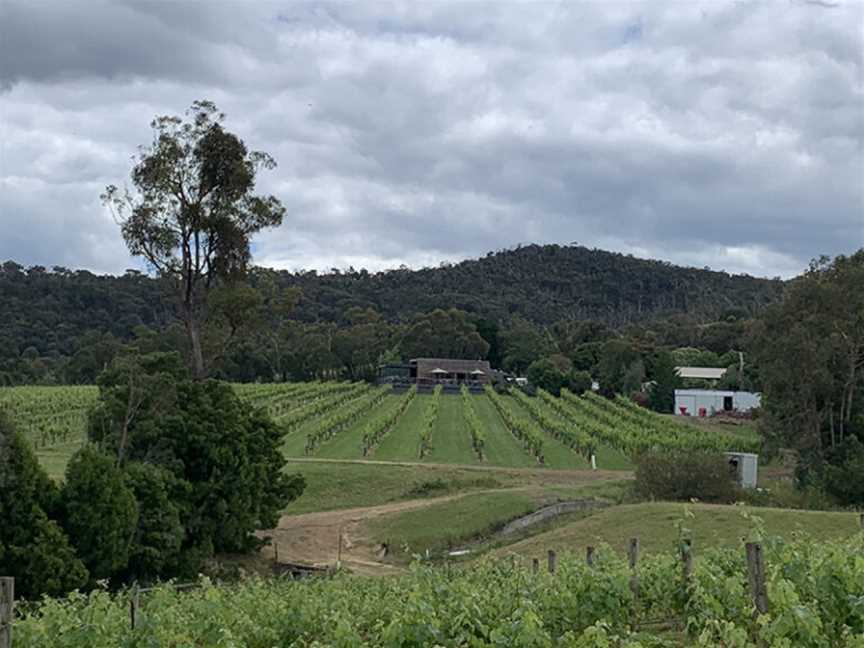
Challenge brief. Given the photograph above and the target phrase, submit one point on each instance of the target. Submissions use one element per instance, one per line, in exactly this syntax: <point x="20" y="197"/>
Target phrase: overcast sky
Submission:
<point x="722" y="134"/>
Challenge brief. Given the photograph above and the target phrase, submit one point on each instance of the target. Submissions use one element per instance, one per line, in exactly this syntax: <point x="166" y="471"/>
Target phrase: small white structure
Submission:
<point x="746" y="468"/>
<point x="706" y="402"/>
<point x="704" y="373"/>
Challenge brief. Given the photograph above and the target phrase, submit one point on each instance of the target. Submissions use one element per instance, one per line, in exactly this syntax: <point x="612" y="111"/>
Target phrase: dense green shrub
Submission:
<point x="683" y="476"/>
<point x="579" y="382"/>
<point x="843" y="474"/>
<point x="218" y="459"/>
<point x="99" y="512"/>
<point x="159" y="535"/>
<point x="33" y="548"/>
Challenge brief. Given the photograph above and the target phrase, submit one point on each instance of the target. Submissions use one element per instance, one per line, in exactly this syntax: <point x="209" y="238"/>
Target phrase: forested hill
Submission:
<point x="49" y="310"/>
<point x="542" y="283"/>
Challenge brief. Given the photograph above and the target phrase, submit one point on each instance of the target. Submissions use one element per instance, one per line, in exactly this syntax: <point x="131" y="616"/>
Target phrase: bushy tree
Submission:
<point x="843" y="474"/>
<point x="810" y="351"/>
<point x="524" y="343"/>
<point x="444" y="334"/>
<point x="99" y="512"/>
<point x="661" y="395"/>
<point x="159" y="534"/>
<point x="544" y="374"/>
<point x="33" y="548"/>
<point x="621" y="369"/>
<point x="579" y="382"/>
<point x="219" y="462"/>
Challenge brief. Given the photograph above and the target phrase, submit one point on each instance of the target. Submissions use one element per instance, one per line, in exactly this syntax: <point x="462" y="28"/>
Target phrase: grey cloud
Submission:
<point x="711" y="133"/>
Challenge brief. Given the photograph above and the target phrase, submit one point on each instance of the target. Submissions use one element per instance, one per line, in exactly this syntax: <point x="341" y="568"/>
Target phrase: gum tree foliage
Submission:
<point x="443" y="334"/>
<point x="810" y="350"/>
<point x="34" y="549"/>
<point x="192" y="210"/>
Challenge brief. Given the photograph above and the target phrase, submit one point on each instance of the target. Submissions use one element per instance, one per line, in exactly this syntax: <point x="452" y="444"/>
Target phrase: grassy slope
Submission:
<point x="451" y="441"/>
<point x="654" y="525"/>
<point x="346" y="485"/>
<point x="502" y="448"/>
<point x="446" y="524"/>
<point x="402" y="442"/>
<point x="337" y="485"/>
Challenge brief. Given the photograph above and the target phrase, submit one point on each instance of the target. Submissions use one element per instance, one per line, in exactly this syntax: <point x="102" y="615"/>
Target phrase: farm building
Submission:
<point x="705" y="402"/>
<point x="450" y="370"/>
<point x="431" y="371"/>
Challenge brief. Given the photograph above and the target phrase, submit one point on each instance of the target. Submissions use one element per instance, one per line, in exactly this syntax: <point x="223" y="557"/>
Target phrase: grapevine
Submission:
<point x="815" y="590"/>
<point x="475" y="426"/>
<point x="526" y="432"/>
<point x="569" y="435"/>
<point x="334" y="422"/>
<point x="430" y="415"/>
<point x="381" y="424"/>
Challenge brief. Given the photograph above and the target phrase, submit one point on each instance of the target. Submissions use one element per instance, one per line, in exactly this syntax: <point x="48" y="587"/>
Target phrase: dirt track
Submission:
<point x="313" y="538"/>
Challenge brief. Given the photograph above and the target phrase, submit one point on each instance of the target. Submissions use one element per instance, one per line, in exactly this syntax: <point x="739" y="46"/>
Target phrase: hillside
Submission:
<point x="542" y="283"/>
<point x="49" y="310"/>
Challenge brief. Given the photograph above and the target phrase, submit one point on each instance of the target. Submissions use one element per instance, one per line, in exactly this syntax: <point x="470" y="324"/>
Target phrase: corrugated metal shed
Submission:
<point x="706" y="373"/>
<point x="694" y="401"/>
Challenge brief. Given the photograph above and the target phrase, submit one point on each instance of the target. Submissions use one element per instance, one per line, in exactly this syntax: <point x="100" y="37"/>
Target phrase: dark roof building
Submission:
<point x="450" y="369"/>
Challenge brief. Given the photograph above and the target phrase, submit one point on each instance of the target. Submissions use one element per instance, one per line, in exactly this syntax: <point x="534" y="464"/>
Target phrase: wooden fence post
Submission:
<point x="861" y="519"/>
<point x="535" y="566"/>
<point x="552" y="561"/>
<point x="339" y="548"/>
<point x="687" y="560"/>
<point x="7" y="610"/>
<point x="756" y="576"/>
<point x="633" y="559"/>
<point x="589" y="556"/>
<point x="134" y="603"/>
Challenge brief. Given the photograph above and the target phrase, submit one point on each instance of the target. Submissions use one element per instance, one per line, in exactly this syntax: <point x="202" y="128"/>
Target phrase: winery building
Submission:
<point x="428" y="372"/>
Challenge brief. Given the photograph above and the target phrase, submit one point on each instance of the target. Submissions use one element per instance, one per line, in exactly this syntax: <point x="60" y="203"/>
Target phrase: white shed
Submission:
<point x="705" y="402"/>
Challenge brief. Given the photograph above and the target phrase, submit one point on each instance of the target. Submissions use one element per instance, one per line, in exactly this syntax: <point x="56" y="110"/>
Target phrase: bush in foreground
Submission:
<point x="33" y="548"/>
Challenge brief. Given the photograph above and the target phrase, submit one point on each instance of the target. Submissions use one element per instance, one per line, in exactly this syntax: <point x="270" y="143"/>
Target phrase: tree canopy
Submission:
<point x="193" y="209"/>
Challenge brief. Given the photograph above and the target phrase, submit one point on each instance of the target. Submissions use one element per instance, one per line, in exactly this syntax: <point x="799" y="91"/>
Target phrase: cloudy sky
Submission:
<point x="722" y="134"/>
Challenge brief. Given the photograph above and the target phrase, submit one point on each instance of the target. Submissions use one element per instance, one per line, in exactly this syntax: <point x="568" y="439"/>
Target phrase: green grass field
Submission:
<point x="337" y="484"/>
<point x="710" y="526"/>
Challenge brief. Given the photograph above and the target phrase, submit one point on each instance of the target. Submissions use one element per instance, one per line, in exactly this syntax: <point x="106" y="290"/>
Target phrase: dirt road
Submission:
<point x="314" y="538"/>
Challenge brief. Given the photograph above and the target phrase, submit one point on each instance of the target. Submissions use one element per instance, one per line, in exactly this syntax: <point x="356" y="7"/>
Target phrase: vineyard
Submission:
<point x="341" y="420"/>
<point x="800" y="594"/>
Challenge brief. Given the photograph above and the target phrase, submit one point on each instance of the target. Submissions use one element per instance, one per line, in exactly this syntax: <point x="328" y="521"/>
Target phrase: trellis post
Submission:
<point x="7" y="610"/>
<point x="632" y="559"/>
<point x="756" y="576"/>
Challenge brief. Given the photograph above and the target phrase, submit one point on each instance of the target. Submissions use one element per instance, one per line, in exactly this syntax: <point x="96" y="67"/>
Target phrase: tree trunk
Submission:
<point x="197" y="358"/>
